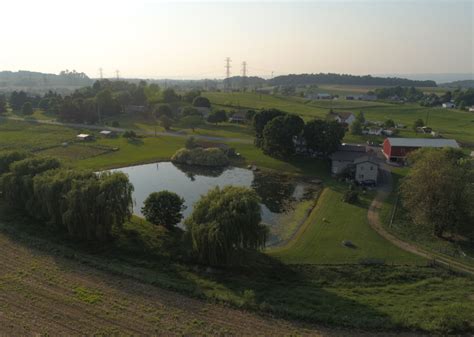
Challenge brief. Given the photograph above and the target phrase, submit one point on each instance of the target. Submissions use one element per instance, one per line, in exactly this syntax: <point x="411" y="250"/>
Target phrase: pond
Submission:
<point x="285" y="201"/>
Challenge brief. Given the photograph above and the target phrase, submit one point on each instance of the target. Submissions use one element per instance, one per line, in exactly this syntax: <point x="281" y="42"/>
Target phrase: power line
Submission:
<point x="117" y="74"/>
<point x="101" y="74"/>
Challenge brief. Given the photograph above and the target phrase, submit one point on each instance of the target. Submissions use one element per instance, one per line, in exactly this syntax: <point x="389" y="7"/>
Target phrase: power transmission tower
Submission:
<point x="101" y="74"/>
<point x="244" y="75"/>
<point x="227" y="72"/>
<point x="117" y="73"/>
<point x="244" y="69"/>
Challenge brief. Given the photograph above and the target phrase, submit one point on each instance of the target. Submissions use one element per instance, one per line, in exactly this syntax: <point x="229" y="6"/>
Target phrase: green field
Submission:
<point x="320" y="239"/>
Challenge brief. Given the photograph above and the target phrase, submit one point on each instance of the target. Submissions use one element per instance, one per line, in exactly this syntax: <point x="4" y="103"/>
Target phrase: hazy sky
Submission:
<point x="191" y="39"/>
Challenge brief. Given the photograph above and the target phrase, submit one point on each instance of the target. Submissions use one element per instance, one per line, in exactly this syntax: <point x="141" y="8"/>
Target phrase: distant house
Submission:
<point x="343" y="117"/>
<point x="84" y="137"/>
<point x="238" y="117"/>
<point x="471" y="109"/>
<point x="366" y="169"/>
<point x="321" y="95"/>
<point x="345" y="157"/>
<point x="367" y="97"/>
<point x="350" y="97"/>
<point x="204" y="111"/>
<point x="396" y="149"/>
<point x="373" y="131"/>
<point x="107" y="133"/>
<point x="448" y="105"/>
<point x="131" y="109"/>
<point x="388" y="132"/>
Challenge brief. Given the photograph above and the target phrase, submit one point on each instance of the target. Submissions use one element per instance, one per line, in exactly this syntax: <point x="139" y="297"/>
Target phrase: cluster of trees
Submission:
<point x="276" y="132"/>
<point x="37" y="80"/>
<point x="83" y="204"/>
<point x="438" y="192"/>
<point x="224" y="222"/>
<point x="309" y="79"/>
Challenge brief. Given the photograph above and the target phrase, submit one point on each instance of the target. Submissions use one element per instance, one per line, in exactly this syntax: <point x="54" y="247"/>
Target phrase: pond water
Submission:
<point x="279" y="194"/>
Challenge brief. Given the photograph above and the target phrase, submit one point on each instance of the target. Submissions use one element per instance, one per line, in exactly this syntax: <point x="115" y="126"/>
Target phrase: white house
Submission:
<point x="238" y="117"/>
<point x="373" y="131"/>
<point x="449" y="105"/>
<point x="345" y="156"/>
<point x="471" y="109"/>
<point x="366" y="169"/>
<point x="344" y="117"/>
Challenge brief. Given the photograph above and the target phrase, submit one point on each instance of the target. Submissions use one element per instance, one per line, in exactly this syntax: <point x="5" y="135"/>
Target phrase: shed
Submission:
<point x="84" y="137"/>
<point x="396" y="149"/>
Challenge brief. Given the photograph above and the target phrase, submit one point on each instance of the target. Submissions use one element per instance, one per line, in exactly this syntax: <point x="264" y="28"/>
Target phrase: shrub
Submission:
<point x="129" y="134"/>
<point x="350" y="196"/>
<point x="203" y="157"/>
<point x="200" y="101"/>
<point x="8" y="157"/>
<point x="191" y="143"/>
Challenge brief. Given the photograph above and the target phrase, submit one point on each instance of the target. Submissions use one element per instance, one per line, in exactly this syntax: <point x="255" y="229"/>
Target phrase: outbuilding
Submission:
<point x="396" y="149"/>
<point x="449" y="105"/>
<point x="84" y="137"/>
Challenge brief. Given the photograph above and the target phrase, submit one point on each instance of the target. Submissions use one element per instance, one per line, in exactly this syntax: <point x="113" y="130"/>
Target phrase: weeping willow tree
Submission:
<point x="224" y="222"/>
<point x="83" y="204"/>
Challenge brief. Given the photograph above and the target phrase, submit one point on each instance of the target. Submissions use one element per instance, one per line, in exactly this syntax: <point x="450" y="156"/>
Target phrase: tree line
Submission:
<point x="331" y="78"/>
<point x="82" y="204"/>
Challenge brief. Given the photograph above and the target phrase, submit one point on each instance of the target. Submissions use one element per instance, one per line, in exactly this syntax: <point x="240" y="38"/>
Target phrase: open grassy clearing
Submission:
<point x="320" y="239"/>
<point x="32" y="136"/>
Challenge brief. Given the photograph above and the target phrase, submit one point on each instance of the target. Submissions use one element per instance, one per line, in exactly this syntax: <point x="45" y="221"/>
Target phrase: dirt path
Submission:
<point x="374" y="220"/>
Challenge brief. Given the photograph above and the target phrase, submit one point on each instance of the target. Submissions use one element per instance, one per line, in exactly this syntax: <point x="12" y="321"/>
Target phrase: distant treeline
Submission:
<point x="459" y="84"/>
<point x="311" y="79"/>
<point x="30" y="79"/>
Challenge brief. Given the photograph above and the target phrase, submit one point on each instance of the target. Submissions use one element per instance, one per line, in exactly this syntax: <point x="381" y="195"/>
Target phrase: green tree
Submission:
<point x="360" y="117"/>
<point x="192" y="121"/>
<point x="356" y="127"/>
<point x="278" y="135"/>
<point x="389" y="123"/>
<point x="418" y="124"/>
<point x="9" y="157"/>
<point x="164" y="110"/>
<point x="260" y="119"/>
<point x="170" y="96"/>
<point x="218" y="116"/>
<point x="27" y="109"/>
<point x="438" y="190"/>
<point x="323" y="137"/>
<point x="201" y="102"/>
<point x="166" y="122"/>
<point x="224" y="222"/>
<point x="189" y="96"/>
<point x="3" y="104"/>
<point x="163" y="208"/>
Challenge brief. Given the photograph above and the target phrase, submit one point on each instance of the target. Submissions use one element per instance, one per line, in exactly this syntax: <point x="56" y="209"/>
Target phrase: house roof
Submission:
<point x="370" y="159"/>
<point x="343" y="115"/>
<point x="352" y="148"/>
<point x="346" y="155"/>
<point x="423" y="142"/>
<point x="239" y="114"/>
<point x="83" y="135"/>
<point x="105" y="132"/>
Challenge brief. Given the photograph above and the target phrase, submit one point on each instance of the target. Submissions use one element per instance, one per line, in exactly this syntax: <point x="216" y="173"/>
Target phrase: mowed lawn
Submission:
<point x="319" y="241"/>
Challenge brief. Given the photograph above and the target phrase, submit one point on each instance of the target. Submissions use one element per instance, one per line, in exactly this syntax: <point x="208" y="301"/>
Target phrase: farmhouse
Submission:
<point x="84" y="137"/>
<point x="343" y="117"/>
<point x="319" y="96"/>
<point x="396" y="149"/>
<point x="345" y="157"/>
<point x="448" y="105"/>
<point x="366" y="169"/>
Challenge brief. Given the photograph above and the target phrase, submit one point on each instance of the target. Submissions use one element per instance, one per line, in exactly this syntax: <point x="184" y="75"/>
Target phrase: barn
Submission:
<point x="396" y="149"/>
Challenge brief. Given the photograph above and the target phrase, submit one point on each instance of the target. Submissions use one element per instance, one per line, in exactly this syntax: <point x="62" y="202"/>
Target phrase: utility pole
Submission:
<point x="117" y="74"/>
<point x="101" y="74"/>
<point x="227" y="72"/>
